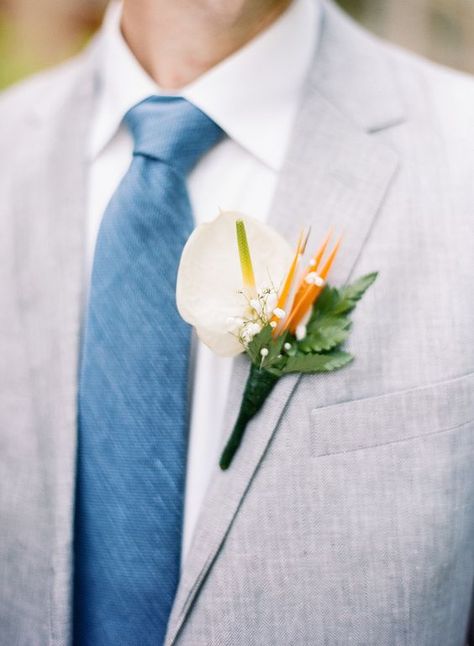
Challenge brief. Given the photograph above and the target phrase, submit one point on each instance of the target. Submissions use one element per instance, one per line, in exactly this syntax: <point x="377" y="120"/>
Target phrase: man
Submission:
<point x="347" y="516"/>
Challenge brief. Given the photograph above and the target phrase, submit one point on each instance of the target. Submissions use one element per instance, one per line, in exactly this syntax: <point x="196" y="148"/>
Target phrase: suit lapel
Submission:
<point x="336" y="174"/>
<point x="50" y="225"/>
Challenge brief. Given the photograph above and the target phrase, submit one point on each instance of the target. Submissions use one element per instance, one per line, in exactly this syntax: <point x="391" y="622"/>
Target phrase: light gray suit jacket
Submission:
<point x="347" y="517"/>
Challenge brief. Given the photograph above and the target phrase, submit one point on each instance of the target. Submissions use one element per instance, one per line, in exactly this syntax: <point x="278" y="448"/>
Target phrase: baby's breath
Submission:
<point x="259" y="313"/>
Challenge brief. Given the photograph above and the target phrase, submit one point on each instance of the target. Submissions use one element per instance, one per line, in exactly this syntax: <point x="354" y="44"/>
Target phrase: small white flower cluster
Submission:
<point x="260" y="312"/>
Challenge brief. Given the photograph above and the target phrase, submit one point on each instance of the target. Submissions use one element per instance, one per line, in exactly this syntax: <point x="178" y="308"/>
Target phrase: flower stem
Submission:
<point x="259" y="385"/>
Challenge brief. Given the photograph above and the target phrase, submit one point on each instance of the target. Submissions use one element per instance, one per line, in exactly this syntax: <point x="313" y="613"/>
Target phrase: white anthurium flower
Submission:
<point x="215" y="294"/>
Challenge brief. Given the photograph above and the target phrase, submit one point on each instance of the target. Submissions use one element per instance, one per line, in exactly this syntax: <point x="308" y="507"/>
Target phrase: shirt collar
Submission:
<point x="253" y="95"/>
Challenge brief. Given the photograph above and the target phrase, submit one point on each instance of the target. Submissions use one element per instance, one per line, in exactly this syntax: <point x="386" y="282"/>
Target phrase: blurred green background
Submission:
<point x="35" y="34"/>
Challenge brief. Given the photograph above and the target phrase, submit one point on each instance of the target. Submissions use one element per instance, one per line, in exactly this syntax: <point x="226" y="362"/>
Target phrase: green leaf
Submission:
<point x="275" y="350"/>
<point x="261" y="340"/>
<point x="350" y="294"/>
<point x="311" y="363"/>
<point x="326" y="333"/>
<point x="327" y="301"/>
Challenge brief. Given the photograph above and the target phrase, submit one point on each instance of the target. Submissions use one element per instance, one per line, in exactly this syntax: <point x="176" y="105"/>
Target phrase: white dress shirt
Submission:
<point x="253" y="96"/>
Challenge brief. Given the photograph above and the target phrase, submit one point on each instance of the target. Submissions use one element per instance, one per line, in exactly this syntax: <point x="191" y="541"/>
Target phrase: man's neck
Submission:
<point x="176" y="41"/>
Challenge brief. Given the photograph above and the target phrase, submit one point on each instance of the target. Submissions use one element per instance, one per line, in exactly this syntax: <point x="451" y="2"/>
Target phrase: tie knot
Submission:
<point x="172" y="130"/>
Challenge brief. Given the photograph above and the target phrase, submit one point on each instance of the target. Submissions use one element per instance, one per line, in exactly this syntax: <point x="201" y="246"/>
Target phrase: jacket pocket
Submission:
<point x="394" y="417"/>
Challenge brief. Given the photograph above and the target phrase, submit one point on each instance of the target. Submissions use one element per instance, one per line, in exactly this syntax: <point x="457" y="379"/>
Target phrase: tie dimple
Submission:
<point x="172" y="130"/>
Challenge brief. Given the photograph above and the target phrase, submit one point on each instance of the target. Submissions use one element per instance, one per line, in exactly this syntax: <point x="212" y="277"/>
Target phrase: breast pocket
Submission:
<point x="395" y="417"/>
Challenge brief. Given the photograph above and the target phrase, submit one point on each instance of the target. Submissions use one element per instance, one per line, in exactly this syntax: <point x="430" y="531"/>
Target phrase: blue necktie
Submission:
<point x="133" y="388"/>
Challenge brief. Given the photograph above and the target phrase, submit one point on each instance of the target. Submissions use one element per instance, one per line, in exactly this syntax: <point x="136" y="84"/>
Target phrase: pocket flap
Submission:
<point x="393" y="417"/>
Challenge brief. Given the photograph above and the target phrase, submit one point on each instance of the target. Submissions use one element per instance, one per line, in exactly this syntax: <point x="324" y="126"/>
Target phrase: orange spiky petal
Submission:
<point x="313" y="266"/>
<point x="306" y="300"/>
<point x="319" y="253"/>
<point x="291" y="272"/>
<point x="308" y="294"/>
<point x="327" y="265"/>
<point x="305" y="240"/>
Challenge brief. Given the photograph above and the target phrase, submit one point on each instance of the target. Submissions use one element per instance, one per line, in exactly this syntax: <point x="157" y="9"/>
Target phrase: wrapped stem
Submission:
<point x="259" y="385"/>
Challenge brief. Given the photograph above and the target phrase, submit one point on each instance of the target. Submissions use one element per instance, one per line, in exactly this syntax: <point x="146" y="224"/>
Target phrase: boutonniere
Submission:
<point x="245" y="289"/>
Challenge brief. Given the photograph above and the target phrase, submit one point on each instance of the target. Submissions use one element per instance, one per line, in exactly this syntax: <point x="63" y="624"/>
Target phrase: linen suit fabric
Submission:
<point x="133" y="388"/>
<point x="347" y="516"/>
